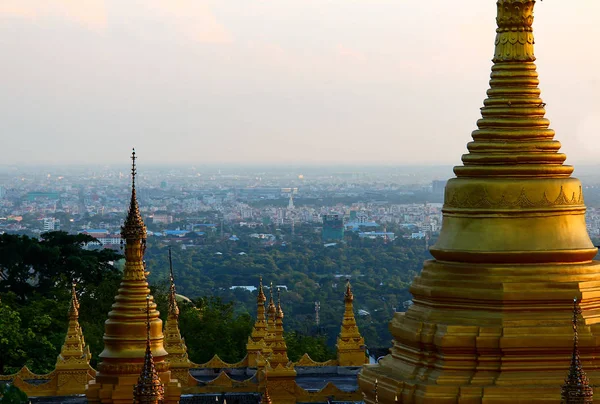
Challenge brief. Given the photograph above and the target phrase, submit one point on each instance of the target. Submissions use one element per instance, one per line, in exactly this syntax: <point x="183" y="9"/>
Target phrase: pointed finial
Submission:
<point x="260" y="298"/>
<point x="576" y="388"/>
<point x="134" y="228"/>
<point x="74" y="305"/>
<point x="149" y="388"/>
<point x="376" y="392"/>
<point x="173" y="308"/>
<point x="271" y="311"/>
<point x="348" y="296"/>
<point x="279" y="312"/>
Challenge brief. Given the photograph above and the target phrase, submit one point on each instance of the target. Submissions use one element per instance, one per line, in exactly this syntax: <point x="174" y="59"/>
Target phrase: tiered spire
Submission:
<point x="350" y="344"/>
<point x="513" y="136"/>
<point x="134" y="228"/>
<point x="577" y="389"/>
<point x="256" y="341"/>
<point x="74" y="351"/>
<point x="174" y="342"/>
<point x="149" y="389"/>
<point x="279" y="347"/>
<point x="125" y="335"/>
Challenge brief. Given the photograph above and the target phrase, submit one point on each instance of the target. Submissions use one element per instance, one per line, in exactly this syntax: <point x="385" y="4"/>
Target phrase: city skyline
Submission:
<point x="271" y="83"/>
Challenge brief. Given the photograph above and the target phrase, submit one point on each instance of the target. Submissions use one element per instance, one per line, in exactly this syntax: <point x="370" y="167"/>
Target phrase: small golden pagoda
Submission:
<point x="576" y="389"/>
<point x="125" y="336"/>
<point x="74" y="351"/>
<point x="178" y="360"/>
<point x="350" y="344"/>
<point x="73" y="369"/>
<point x="488" y="320"/>
<point x="256" y="341"/>
<point x="149" y="389"/>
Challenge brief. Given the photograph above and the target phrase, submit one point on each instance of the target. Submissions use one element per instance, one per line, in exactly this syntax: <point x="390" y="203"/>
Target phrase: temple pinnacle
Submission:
<point x="576" y="389"/>
<point x="260" y="298"/>
<point x="149" y="389"/>
<point x="279" y="310"/>
<point x="173" y="308"/>
<point x="348" y="296"/>
<point x="134" y="225"/>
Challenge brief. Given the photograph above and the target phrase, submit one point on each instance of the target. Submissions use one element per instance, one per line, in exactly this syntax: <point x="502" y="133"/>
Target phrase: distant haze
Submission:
<point x="276" y="81"/>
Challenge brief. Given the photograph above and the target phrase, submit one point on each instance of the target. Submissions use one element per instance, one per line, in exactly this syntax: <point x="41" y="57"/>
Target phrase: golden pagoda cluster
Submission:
<point x="489" y="323"/>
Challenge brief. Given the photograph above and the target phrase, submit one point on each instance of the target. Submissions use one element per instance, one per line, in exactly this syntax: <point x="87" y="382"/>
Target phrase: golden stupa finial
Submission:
<point x="134" y="228"/>
<point x="260" y="298"/>
<point x="376" y="392"/>
<point x="279" y="310"/>
<point x="513" y="138"/>
<point x="576" y="389"/>
<point x="271" y="311"/>
<point x="74" y="304"/>
<point x="149" y="389"/>
<point x="173" y="307"/>
<point x="348" y="296"/>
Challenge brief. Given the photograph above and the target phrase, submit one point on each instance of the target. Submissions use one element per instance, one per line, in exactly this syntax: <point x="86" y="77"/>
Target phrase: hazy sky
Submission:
<point x="276" y="81"/>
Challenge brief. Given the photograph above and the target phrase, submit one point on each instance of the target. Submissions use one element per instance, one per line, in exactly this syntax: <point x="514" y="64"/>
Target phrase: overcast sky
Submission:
<point x="276" y="81"/>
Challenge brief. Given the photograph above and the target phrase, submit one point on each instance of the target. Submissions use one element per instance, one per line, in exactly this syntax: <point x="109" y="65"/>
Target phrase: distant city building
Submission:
<point x="377" y="234"/>
<point x="333" y="227"/>
<point x="50" y="224"/>
<point x="162" y="218"/>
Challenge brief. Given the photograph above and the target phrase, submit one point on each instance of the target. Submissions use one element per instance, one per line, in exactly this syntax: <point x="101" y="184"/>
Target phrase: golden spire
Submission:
<point x="260" y="298"/>
<point x="278" y="344"/>
<point x="174" y="343"/>
<point x="173" y="308"/>
<point x="125" y="338"/>
<point x="133" y="228"/>
<point x="256" y="341"/>
<point x="271" y="312"/>
<point x="73" y="351"/>
<point x="513" y="136"/>
<point x="576" y="389"/>
<point x="350" y="344"/>
<point x="279" y="310"/>
<point x="149" y="389"/>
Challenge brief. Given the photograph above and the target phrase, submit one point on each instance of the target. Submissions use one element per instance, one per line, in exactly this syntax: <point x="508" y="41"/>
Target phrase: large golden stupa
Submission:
<point x="490" y="320"/>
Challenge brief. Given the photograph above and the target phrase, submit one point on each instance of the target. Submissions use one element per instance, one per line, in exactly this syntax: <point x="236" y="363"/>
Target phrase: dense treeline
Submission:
<point x="380" y="273"/>
<point x="35" y="284"/>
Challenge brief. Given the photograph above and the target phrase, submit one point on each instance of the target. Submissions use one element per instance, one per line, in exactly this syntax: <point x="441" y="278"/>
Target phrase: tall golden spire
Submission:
<point x="512" y="249"/>
<point x="149" y="389"/>
<point x="278" y="345"/>
<point x="271" y="311"/>
<point x="134" y="225"/>
<point x="350" y="344"/>
<point x="174" y="343"/>
<point x="125" y="337"/>
<point x="256" y="341"/>
<point x="576" y="389"/>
